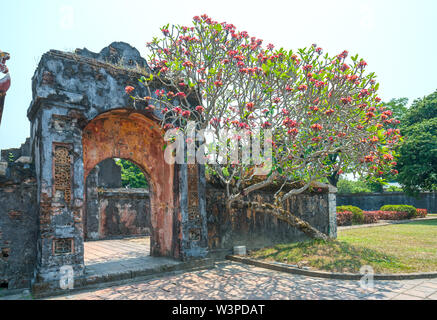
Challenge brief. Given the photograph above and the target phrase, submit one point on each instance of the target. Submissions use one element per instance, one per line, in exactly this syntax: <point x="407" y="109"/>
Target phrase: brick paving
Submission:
<point x="231" y="281"/>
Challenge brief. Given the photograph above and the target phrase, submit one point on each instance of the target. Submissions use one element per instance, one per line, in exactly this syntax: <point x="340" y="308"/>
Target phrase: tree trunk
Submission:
<point x="333" y="179"/>
<point x="283" y="215"/>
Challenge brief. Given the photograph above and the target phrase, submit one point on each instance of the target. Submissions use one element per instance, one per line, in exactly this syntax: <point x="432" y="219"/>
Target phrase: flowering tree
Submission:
<point x="316" y="113"/>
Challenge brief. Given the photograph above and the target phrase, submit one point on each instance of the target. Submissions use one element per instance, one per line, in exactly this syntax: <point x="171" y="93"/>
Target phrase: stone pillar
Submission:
<point x="332" y="208"/>
<point x="57" y="148"/>
<point x="192" y="190"/>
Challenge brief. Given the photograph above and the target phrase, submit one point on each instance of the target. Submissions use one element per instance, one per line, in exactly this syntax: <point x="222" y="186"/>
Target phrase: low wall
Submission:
<point x="257" y="230"/>
<point x="374" y="201"/>
<point x="113" y="211"/>
<point x="118" y="212"/>
<point x="18" y="226"/>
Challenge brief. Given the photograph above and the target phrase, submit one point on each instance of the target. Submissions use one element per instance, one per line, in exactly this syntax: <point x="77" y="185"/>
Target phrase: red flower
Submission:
<point x="344" y="67"/>
<point x="250" y="106"/>
<point x="388" y="157"/>
<point x="292" y="131"/>
<point x="266" y="125"/>
<point x="289" y="122"/>
<point x="303" y="87"/>
<point x="317" y="127"/>
<point x="186" y="113"/>
<point x="177" y="110"/>
<point x="362" y="64"/>
<point x="329" y="112"/>
<point x="129" y="89"/>
<point x="369" y="158"/>
<point x="218" y="83"/>
<point x="200" y="109"/>
<point x="188" y="64"/>
<point x="346" y="100"/>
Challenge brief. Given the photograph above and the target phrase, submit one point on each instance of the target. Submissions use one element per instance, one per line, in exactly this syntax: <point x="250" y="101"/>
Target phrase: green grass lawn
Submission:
<point x="400" y="248"/>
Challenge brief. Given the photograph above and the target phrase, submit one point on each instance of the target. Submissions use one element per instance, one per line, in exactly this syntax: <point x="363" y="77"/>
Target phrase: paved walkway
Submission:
<point x="232" y="281"/>
<point x="105" y="258"/>
<point x="102" y="251"/>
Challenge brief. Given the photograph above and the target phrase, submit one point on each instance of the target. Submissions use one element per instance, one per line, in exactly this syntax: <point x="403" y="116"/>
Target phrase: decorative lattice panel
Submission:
<point x="63" y="246"/>
<point x="194" y="235"/>
<point x="193" y="195"/>
<point x="62" y="162"/>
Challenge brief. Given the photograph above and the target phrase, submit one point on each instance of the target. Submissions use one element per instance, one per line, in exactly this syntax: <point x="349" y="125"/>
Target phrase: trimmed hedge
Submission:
<point x="344" y="218"/>
<point x="412" y="212"/>
<point x="358" y="216"/>
<point x="421" y="213"/>
<point x="370" y="217"/>
<point x="348" y="215"/>
<point x="389" y="215"/>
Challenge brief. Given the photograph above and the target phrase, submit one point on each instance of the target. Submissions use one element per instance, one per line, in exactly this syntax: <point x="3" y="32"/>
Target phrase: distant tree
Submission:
<point x="398" y="106"/>
<point x="417" y="162"/>
<point x="421" y="109"/>
<point x="131" y="175"/>
<point x="349" y="186"/>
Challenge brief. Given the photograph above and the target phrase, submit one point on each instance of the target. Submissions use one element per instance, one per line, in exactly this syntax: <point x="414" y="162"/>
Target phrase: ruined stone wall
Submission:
<point x="258" y="230"/>
<point x="18" y="225"/>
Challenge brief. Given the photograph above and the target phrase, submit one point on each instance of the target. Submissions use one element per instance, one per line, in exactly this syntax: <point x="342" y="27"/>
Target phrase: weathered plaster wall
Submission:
<point x="18" y="226"/>
<point x="257" y="230"/>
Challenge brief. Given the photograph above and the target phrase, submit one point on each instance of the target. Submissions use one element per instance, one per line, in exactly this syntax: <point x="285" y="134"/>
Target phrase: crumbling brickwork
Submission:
<point x="18" y="226"/>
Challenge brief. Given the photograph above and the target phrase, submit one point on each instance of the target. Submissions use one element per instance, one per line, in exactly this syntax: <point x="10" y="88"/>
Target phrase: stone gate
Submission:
<point x="81" y="116"/>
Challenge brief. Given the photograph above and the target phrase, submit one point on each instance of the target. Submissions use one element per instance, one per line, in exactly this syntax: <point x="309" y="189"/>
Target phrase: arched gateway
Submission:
<point x="81" y="116"/>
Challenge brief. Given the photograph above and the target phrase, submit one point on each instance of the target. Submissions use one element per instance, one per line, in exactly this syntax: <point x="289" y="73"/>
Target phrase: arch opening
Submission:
<point x="117" y="221"/>
<point x="132" y="144"/>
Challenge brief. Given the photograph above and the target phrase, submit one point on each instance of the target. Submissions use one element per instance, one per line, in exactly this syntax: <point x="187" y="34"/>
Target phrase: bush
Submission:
<point x="412" y="213"/>
<point x="358" y="216"/>
<point x="370" y="217"/>
<point x="344" y="218"/>
<point x="389" y="215"/>
<point x="421" y="213"/>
